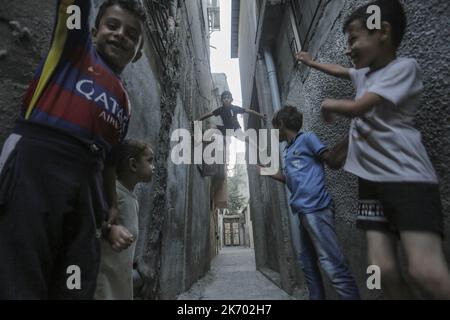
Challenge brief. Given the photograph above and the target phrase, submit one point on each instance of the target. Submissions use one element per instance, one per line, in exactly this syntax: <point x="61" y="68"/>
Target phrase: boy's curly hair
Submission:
<point x="134" y="6"/>
<point x="391" y="12"/>
<point x="129" y="148"/>
<point x="289" y="117"/>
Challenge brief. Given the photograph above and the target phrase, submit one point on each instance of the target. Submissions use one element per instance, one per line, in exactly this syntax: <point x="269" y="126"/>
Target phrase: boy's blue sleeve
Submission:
<point x="314" y="144"/>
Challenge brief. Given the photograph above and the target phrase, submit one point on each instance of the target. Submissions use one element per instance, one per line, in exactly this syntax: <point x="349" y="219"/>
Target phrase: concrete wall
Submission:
<point x="248" y="25"/>
<point x="268" y="207"/>
<point x="181" y="224"/>
<point x="22" y="54"/>
<point x="220" y="84"/>
<point x="427" y="41"/>
<point x="186" y="229"/>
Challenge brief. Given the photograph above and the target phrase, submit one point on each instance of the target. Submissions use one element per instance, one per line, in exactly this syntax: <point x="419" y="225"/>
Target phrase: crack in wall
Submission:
<point x="151" y="258"/>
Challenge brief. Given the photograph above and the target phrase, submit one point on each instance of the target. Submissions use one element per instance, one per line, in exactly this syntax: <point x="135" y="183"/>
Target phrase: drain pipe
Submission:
<point x="173" y="6"/>
<point x="273" y="81"/>
<point x="276" y="102"/>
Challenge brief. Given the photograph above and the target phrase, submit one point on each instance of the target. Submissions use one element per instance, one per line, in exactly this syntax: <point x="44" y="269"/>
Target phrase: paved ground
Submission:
<point x="233" y="276"/>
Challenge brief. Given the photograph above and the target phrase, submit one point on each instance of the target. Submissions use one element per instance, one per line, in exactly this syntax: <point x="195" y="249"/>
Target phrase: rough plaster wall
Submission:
<point x="197" y="238"/>
<point x="427" y="41"/>
<point x="271" y="230"/>
<point x="185" y="247"/>
<point x="22" y="55"/>
<point x="269" y="211"/>
<point x="174" y="235"/>
<point x="247" y="49"/>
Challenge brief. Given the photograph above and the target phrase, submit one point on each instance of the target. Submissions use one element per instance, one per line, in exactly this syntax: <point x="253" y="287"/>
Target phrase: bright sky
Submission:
<point x="222" y="63"/>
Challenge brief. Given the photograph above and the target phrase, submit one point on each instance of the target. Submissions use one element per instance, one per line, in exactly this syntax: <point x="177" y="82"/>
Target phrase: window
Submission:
<point x="303" y="15"/>
<point x="214" y="15"/>
<point x="213" y="3"/>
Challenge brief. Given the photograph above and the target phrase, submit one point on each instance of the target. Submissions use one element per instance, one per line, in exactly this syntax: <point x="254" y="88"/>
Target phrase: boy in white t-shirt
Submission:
<point x="398" y="186"/>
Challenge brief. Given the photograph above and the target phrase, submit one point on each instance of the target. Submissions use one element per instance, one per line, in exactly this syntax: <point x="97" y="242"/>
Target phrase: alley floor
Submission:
<point x="233" y="276"/>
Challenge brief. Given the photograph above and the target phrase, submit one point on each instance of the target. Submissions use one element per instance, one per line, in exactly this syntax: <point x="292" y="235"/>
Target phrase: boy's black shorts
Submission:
<point x="395" y="207"/>
<point x="51" y="208"/>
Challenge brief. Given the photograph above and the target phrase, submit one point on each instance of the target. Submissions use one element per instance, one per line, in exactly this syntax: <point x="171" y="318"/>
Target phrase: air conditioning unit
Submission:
<point x="214" y="15"/>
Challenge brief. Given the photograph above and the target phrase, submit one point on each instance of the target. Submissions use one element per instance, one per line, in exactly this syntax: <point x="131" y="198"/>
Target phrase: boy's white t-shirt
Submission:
<point x="384" y="145"/>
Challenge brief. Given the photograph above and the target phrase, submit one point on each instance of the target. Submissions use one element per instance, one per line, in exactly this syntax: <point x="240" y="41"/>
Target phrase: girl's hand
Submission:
<point x="120" y="238"/>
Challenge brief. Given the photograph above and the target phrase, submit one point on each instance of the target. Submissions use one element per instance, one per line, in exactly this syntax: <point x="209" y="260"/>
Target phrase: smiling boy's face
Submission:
<point x="118" y="37"/>
<point x="363" y="47"/>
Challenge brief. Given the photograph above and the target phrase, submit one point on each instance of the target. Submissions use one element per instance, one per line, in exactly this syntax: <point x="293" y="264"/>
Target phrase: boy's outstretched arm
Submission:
<point x="278" y="176"/>
<point x="335" y="157"/>
<point x="352" y="108"/>
<point x="331" y="69"/>
<point x="205" y="116"/>
<point x="262" y="116"/>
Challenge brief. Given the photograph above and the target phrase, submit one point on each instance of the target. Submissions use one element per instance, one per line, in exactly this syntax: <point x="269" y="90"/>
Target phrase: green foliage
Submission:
<point x="236" y="201"/>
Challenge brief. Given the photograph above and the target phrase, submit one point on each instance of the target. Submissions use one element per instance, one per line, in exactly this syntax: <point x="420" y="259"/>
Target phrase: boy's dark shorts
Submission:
<point x="399" y="206"/>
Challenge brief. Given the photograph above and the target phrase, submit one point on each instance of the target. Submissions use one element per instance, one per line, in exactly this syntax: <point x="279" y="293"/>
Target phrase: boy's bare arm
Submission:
<point x="331" y="69"/>
<point x="352" y="108"/>
<point x="335" y="157"/>
<point x="206" y="116"/>
<point x="279" y="176"/>
<point x="262" y="116"/>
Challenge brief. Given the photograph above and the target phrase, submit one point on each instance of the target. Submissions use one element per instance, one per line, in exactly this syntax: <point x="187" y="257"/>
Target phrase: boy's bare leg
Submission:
<point x="426" y="262"/>
<point x="382" y="252"/>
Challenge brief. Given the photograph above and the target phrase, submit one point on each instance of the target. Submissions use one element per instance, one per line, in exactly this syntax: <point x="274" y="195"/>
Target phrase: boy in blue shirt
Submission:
<point x="305" y="177"/>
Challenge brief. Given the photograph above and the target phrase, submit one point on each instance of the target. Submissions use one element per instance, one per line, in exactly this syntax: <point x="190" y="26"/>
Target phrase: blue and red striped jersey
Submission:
<point x="73" y="89"/>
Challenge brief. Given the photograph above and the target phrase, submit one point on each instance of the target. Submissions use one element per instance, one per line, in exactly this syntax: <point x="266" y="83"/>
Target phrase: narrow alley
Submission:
<point x="222" y="230"/>
<point x="233" y="276"/>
